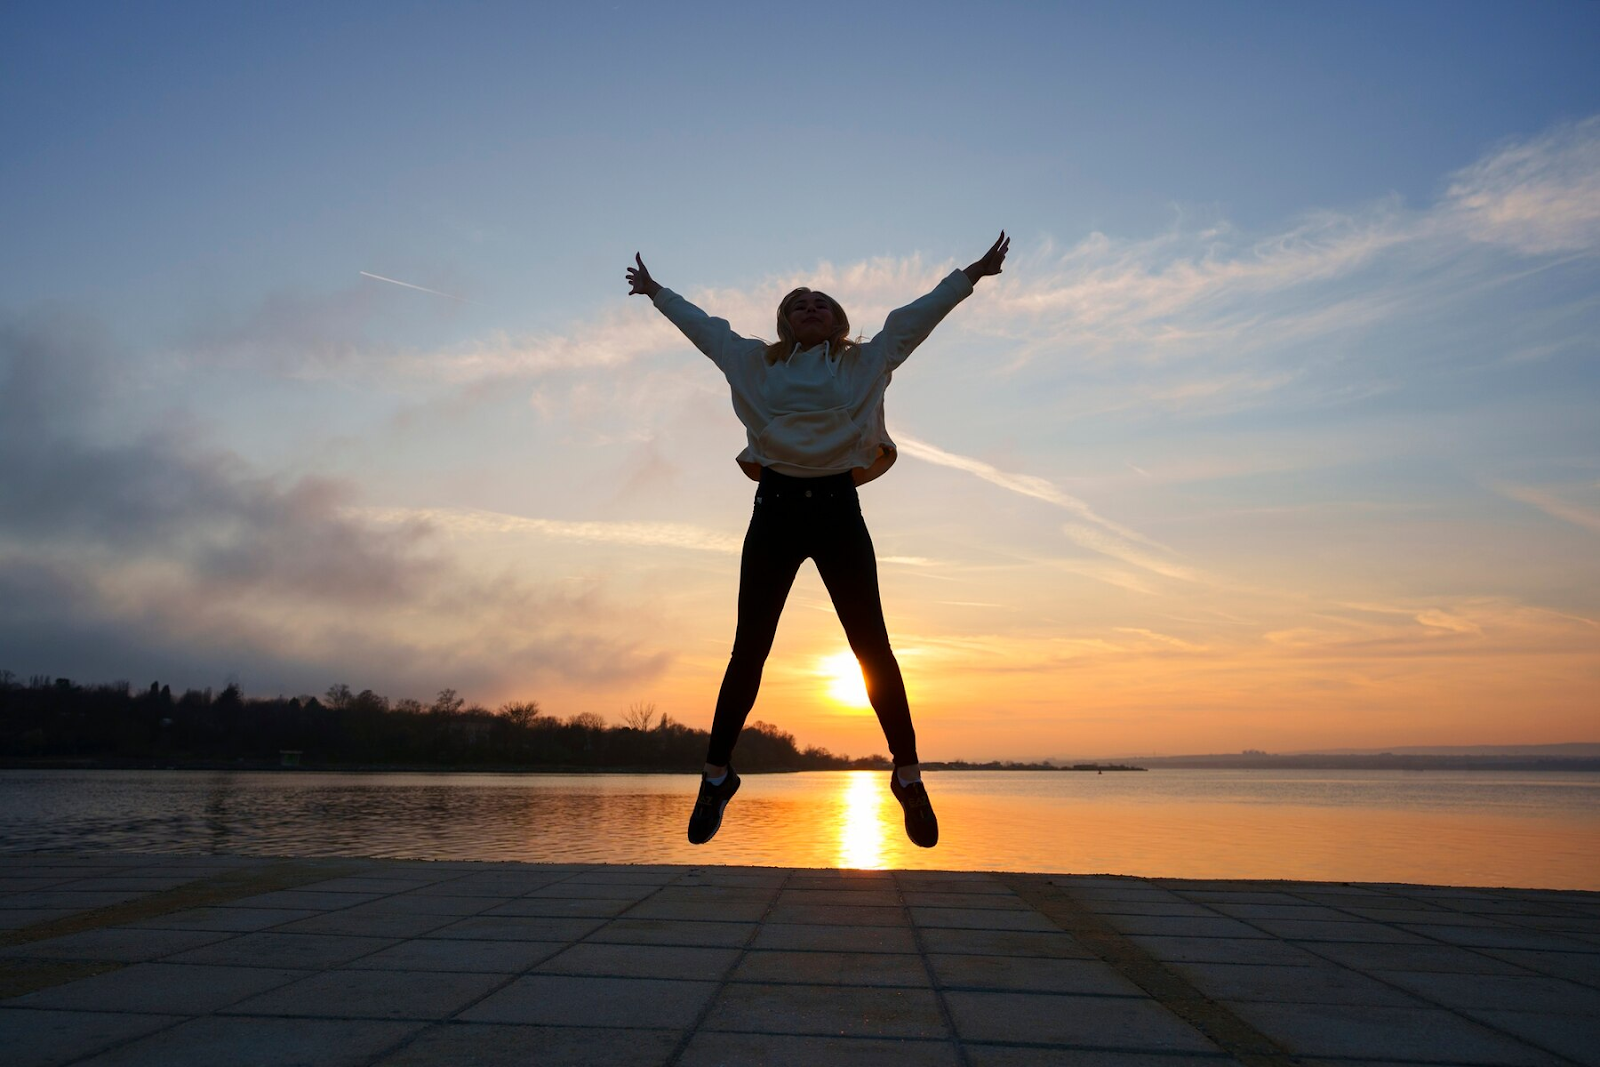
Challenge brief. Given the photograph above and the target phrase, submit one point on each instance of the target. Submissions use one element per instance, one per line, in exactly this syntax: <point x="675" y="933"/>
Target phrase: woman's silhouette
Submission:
<point x="812" y="408"/>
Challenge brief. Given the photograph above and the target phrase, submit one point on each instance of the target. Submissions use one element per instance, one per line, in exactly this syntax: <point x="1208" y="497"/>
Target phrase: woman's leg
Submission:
<point x="766" y="572"/>
<point x="849" y="569"/>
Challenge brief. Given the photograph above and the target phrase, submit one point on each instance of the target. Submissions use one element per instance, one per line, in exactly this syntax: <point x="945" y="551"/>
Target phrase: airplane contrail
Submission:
<point x="418" y="288"/>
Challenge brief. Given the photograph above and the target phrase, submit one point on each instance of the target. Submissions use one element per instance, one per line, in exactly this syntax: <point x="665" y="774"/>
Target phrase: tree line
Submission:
<point x="45" y="720"/>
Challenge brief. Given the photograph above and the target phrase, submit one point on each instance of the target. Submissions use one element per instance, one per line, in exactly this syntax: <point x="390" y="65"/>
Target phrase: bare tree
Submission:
<point x="587" y="720"/>
<point x="521" y="712"/>
<point x="448" y="702"/>
<point x="639" y="715"/>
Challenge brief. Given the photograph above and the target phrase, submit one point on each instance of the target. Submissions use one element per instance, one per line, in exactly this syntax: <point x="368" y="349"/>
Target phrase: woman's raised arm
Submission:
<point x="712" y="336"/>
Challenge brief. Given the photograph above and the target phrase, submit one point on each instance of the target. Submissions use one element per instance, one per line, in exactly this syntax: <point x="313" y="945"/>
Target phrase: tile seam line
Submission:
<point x="682" y="1047"/>
<point x="454" y="1017"/>
<point x="956" y="1041"/>
<point x="1168" y="989"/>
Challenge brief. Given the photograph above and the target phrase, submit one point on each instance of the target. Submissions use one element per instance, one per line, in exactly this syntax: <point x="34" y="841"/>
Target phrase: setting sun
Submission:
<point x="845" y="685"/>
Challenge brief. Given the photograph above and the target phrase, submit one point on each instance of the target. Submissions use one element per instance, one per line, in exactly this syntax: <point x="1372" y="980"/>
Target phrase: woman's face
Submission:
<point x="811" y="318"/>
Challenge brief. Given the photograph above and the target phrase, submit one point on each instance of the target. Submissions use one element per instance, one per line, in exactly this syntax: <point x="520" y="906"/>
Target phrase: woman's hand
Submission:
<point x="640" y="282"/>
<point x="991" y="261"/>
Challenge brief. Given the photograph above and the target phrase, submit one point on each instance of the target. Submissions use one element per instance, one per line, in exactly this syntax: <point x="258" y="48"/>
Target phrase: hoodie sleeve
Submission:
<point x="908" y="327"/>
<point x="710" y="335"/>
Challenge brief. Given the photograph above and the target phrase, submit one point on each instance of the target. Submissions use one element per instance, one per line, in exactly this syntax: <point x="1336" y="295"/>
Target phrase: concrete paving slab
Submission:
<point x="162" y="989"/>
<point x="1442" y="959"/>
<point x="501" y="1045"/>
<point x="850" y="898"/>
<point x="868" y="880"/>
<point x="1412" y="917"/>
<point x="557" y="907"/>
<point x="1224" y="950"/>
<point x="832" y="968"/>
<point x="880" y="1011"/>
<point x="517" y="928"/>
<point x="272" y="949"/>
<point x="1031" y="975"/>
<point x="714" y="894"/>
<point x="942" y="899"/>
<point x="1244" y="896"/>
<point x="1581" y="967"/>
<point x="418" y="904"/>
<point x="641" y="961"/>
<point x="130" y="883"/>
<point x="710" y="911"/>
<point x="375" y="994"/>
<point x="710" y="1049"/>
<point x="1121" y="1023"/>
<point x="590" y="891"/>
<point x="367" y="923"/>
<point x="1294" y="985"/>
<point x="73" y="900"/>
<point x="1053" y="944"/>
<point x="837" y="915"/>
<point x="1312" y="930"/>
<point x="805" y="937"/>
<point x="1366" y="1032"/>
<point x="399" y="882"/>
<point x="1573" y="1036"/>
<point x="1535" y="993"/>
<point x="1181" y="926"/>
<point x="547" y="999"/>
<point x="303" y="900"/>
<point x="122" y="944"/>
<point x="1561" y="924"/>
<point x="225" y="920"/>
<point x="37" y="1038"/>
<point x="13" y="918"/>
<point x="1170" y="907"/>
<point x="982" y="919"/>
<point x="1502" y="937"/>
<point x="1012" y="1056"/>
<point x="630" y="931"/>
<point x="1304" y="910"/>
<point x="486" y="957"/>
<point x="248" y="1042"/>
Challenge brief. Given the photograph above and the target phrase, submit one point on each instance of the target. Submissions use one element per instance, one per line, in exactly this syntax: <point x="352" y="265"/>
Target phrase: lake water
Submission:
<point x="1446" y="827"/>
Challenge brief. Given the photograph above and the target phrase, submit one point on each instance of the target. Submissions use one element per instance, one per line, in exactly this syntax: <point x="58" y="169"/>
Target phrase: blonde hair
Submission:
<point x="781" y="348"/>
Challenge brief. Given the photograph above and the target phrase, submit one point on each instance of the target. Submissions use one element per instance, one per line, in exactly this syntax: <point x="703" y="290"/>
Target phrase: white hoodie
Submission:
<point x="818" y="412"/>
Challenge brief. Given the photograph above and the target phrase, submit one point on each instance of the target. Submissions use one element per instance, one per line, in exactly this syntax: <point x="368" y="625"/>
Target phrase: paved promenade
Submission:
<point x="198" y="960"/>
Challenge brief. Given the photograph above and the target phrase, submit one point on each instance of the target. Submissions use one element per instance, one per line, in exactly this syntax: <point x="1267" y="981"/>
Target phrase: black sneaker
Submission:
<point x="921" y="824"/>
<point x="707" y="817"/>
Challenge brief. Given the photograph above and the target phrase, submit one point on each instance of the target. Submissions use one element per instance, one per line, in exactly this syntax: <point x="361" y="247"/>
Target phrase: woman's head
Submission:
<point x="807" y="318"/>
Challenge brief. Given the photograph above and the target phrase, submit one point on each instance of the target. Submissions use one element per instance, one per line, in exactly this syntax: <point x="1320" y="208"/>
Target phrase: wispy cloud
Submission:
<point x="1096" y="533"/>
<point x="1538" y="196"/>
<point x="1550" y="504"/>
<point x="472" y="522"/>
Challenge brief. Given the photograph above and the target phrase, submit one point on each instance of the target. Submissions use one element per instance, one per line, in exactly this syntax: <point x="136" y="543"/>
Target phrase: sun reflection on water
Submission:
<point x="861" y="821"/>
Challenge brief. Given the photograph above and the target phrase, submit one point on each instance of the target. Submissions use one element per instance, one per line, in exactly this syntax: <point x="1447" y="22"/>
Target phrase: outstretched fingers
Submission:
<point x="639" y="280"/>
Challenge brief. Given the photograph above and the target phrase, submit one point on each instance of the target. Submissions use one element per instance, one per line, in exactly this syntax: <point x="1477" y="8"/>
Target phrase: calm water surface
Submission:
<point x="1457" y="828"/>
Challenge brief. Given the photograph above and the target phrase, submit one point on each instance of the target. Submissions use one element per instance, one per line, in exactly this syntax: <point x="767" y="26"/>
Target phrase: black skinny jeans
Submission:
<point x="820" y="519"/>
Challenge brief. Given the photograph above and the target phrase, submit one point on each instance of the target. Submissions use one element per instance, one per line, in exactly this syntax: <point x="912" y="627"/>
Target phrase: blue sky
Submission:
<point x="1284" y="401"/>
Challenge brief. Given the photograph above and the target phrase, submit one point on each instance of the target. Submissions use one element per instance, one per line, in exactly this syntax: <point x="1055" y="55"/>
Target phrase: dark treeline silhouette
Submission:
<point x="45" y="720"/>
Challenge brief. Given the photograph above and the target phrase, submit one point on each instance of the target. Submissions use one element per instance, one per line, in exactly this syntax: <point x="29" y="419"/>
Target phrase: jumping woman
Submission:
<point x="812" y="407"/>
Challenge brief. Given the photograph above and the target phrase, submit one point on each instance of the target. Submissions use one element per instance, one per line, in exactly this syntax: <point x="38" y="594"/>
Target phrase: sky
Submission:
<point x="1278" y="431"/>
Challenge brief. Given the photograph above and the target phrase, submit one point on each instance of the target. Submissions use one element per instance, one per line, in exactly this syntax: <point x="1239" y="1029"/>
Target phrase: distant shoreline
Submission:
<point x="509" y="768"/>
<point x="1419" y="764"/>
